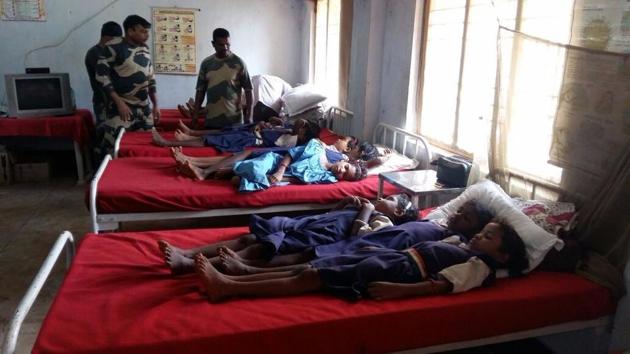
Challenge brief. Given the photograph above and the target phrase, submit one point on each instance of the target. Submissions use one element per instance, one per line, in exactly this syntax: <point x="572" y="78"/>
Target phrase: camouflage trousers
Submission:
<point x="107" y="130"/>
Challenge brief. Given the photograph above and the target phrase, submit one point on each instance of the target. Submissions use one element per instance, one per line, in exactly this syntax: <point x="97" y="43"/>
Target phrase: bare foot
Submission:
<point x="178" y="155"/>
<point x="181" y="136"/>
<point x="189" y="170"/>
<point x="175" y="258"/>
<point x="157" y="139"/>
<point x="228" y="252"/>
<point x="183" y="111"/>
<point x="214" y="283"/>
<point x="181" y="126"/>
<point x="233" y="266"/>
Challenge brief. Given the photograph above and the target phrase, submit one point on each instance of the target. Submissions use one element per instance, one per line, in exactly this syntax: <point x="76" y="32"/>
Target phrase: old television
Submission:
<point x="32" y="95"/>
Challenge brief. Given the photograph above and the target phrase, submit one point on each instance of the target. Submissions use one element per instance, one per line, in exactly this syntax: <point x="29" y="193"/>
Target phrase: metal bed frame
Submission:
<point x="66" y="241"/>
<point x="411" y="145"/>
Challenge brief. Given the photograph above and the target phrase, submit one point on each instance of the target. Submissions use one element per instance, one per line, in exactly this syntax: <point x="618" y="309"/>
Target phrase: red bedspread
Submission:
<point x="151" y="184"/>
<point x="78" y="126"/>
<point x="169" y="119"/>
<point x="118" y="297"/>
<point x="138" y="144"/>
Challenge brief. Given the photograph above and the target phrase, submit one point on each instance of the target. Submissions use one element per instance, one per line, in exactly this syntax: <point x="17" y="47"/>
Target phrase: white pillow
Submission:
<point x="301" y="98"/>
<point x="396" y="162"/>
<point x="537" y="241"/>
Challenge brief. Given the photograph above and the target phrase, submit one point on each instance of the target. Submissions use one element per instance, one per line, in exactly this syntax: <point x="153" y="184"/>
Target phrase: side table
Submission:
<point x="417" y="183"/>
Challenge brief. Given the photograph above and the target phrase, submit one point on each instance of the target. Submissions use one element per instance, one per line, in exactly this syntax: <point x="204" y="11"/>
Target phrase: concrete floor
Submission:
<point x="32" y="216"/>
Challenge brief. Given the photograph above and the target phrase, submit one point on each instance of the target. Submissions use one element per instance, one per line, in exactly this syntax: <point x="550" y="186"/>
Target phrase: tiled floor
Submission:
<point x="32" y="216"/>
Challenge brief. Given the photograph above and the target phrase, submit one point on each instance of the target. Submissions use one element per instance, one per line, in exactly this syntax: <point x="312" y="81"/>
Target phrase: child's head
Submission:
<point x="346" y="144"/>
<point x="499" y="240"/>
<point x="398" y="208"/>
<point x="469" y="218"/>
<point x="349" y="171"/>
<point x="364" y="151"/>
<point x="305" y="130"/>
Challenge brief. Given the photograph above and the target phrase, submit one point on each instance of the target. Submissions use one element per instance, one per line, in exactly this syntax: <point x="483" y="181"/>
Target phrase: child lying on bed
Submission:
<point x="313" y="163"/>
<point x="425" y="268"/>
<point x="294" y="240"/>
<point x="237" y="138"/>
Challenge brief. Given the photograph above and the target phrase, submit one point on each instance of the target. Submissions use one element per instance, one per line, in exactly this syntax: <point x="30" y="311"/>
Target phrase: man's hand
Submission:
<point x="156" y="115"/>
<point x="123" y="111"/>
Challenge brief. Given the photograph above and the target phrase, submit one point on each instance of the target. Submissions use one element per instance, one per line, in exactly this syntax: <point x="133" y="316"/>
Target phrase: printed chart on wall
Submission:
<point x="174" y="50"/>
<point x="23" y="10"/>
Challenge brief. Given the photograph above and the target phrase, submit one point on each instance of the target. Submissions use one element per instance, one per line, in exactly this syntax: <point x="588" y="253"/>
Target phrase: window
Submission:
<point x="459" y="76"/>
<point x="327" y="51"/>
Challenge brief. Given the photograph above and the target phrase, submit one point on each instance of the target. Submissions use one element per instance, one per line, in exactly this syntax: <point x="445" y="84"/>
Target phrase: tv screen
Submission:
<point x="38" y="93"/>
<point x="31" y="95"/>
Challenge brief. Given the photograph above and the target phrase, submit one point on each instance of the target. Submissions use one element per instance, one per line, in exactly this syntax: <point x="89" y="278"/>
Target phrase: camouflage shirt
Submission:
<point x="223" y="79"/>
<point x="126" y="69"/>
<point x="91" y="57"/>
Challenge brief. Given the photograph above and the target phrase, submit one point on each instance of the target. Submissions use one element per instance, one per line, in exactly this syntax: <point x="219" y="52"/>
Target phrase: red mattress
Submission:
<point x="118" y="297"/>
<point x="151" y="184"/>
<point x="138" y="144"/>
<point x="169" y="119"/>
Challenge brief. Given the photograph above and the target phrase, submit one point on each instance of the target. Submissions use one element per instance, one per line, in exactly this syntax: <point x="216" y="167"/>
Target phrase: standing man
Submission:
<point x="222" y="77"/>
<point x="125" y="73"/>
<point x="109" y="31"/>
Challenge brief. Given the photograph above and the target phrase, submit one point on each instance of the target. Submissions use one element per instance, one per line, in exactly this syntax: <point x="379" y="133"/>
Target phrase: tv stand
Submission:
<point x="78" y="127"/>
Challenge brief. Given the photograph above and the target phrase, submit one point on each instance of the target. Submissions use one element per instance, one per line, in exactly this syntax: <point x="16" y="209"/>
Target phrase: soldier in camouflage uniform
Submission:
<point x="109" y="31"/>
<point x="222" y="77"/>
<point x="125" y="73"/>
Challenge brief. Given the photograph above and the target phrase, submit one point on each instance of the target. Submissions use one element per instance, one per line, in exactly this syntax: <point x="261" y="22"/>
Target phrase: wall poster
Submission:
<point x="174" y="49"/>
<point x="23" y="10"/>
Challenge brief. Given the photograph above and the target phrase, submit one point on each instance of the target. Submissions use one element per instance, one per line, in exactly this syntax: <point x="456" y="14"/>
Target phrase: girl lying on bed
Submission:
<point x="256" y="170"/>
<point x="425" y="268"/>
<point x="237" y="138"/>
<point x="287" y="241"/>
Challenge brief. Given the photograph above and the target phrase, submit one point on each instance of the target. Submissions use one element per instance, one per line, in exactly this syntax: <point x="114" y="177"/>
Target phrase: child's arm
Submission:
<point x="282" y="167"/>
<point x="381" y="290"/>
<point x="363" y="217"/>
<point x="354" y="201"/>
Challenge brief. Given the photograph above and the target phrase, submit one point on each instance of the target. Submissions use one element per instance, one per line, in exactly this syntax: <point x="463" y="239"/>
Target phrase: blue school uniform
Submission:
<point x="397" y="237"/>
<point x="237" y="139"/>
<point x="305" y="166"/>
<point x="282" y="235"/>
<point x="348" y="275"/>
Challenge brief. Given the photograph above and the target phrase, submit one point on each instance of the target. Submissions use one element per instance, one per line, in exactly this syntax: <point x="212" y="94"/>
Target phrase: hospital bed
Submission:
<point x="140" y="189"/>
<point x="119" y="297"/>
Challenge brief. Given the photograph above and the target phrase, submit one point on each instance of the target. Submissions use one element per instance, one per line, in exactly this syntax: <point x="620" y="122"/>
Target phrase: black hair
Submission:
<point x="353" y="142"/>
<point x="368" y="151"/>
<point x="361" y="170"/>
<point x="111" y="29"/>
<point x="514" y="247"/>
<point x="410" y="211"/>
<point x="133" y="20"/>
<point x="483" y="214"/>
<point x="220" y="33"/>
<point x="311" y="132"/>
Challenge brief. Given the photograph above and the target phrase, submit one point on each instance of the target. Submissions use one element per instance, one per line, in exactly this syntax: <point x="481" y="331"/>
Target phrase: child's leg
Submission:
<point x="219" y="286"/>
<point x="184" y="138"/>
<point x="235" y="266"/>
<point x="209" y="250"/>
<point x="158" y="140"/>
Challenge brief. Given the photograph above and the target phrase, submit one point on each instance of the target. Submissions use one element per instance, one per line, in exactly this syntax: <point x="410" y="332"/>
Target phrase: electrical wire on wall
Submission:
<point x="69" y="32"/>
<point x="3" y="102"/>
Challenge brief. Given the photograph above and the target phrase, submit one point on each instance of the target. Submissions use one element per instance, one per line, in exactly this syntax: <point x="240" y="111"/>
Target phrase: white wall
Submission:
<point x="267" y="34"/>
